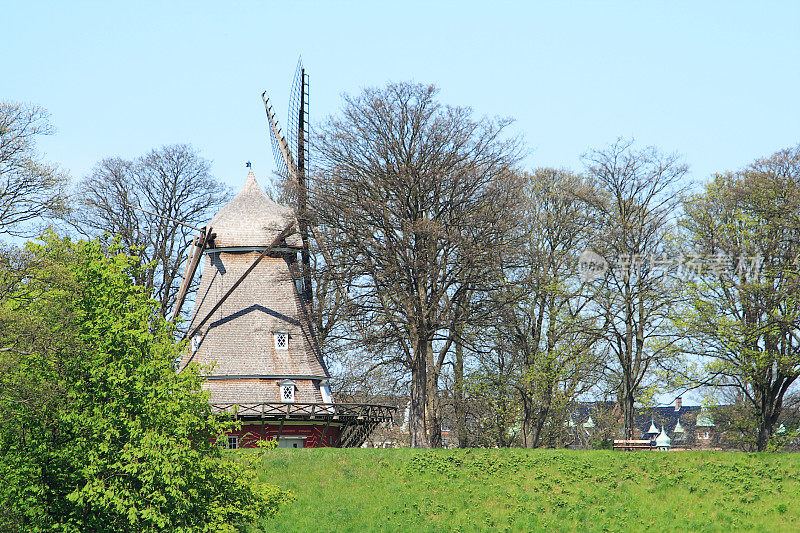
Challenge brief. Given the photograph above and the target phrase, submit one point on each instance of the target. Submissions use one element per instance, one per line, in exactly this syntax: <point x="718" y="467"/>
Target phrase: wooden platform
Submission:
<point x="356" y="420"/>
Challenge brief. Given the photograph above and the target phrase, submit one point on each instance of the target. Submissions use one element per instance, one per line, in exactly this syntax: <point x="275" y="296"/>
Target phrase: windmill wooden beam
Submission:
<point x="192" y="263"/>
<point x="279" y="139"/>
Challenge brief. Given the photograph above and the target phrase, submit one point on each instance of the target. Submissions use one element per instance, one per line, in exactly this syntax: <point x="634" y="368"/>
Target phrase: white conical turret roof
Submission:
<point x="678" y="428"/>
<point x="653" y="429"/>
<point x="589" y="423"/>
<point x="663" y="440"/>
<point x="252" y="219"/>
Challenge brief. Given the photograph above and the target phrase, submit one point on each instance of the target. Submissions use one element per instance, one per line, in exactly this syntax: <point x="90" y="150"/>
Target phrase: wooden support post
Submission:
<point x="324" y="431"/>
<point x="191" y="267"/>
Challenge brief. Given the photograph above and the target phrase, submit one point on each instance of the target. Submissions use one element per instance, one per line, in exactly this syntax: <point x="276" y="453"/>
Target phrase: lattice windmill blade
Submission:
<point x="284" y="160"/>
<point x="298" y="117"/>
<point x="292" y="162"/>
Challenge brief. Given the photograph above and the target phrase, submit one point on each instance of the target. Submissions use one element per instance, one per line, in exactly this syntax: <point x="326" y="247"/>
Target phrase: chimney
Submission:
<point x="678" y="403"/>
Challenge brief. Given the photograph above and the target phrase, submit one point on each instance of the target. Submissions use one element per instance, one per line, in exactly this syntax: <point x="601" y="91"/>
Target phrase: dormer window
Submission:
<point x="325" y="391"/>
<point x="287" y="388"/>
<point x="281" y="340"/>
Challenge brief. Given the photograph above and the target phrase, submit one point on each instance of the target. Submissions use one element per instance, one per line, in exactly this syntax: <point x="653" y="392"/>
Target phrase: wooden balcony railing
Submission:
<point x="308" y="411"/>
<point x="356" y="420"/>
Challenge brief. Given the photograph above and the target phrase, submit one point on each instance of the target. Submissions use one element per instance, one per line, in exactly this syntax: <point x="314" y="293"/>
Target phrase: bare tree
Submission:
<point x="416" y="199"/>
<point x="174" y="184"/>
<point x="639" y="194"/>
<point x="29" y="187"/>
<point x="548" y="326"/>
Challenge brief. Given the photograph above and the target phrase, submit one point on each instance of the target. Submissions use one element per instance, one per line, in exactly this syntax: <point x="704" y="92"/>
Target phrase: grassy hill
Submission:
<point x="533" y="490"/>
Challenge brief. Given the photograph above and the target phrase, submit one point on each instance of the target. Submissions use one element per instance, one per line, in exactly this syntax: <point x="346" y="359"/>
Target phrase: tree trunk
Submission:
<point x="763" y="436"/>
<point x="527" y="420"/>
<point x="433" y="422"/>
<point x="541" y="417"/>
<point x="626" y="403"/>
<point x="416" y="425"/>
<point x="767" y="417"/>
<point x="458" y="398"/>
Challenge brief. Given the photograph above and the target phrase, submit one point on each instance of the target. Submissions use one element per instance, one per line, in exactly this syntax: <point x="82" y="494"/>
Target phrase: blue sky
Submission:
<point x="716" y="82"/>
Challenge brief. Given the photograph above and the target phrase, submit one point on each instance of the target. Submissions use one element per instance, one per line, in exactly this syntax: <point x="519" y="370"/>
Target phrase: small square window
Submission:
<point x="286" y="390"/>
<point x="233" y="442"/>
<point x="281" y="340"/>
<point x="287" y="393"/>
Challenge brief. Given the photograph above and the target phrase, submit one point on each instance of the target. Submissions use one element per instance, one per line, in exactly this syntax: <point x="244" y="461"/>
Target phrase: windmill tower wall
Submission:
<point x="240" y="338"/>
<point x="261" y="336"/>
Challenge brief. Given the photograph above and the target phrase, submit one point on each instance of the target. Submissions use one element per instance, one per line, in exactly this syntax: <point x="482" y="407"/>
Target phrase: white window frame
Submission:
<point x="232" y="442"/>
<point x="277" y="335"/>
<point x="287" y="386"/>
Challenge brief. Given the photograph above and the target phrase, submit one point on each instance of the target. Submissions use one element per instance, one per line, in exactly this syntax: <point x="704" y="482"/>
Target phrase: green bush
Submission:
<point x="97" y="432"/>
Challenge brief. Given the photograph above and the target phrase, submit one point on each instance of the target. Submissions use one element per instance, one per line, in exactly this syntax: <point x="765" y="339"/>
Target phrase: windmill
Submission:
<point x="251" y="330"/>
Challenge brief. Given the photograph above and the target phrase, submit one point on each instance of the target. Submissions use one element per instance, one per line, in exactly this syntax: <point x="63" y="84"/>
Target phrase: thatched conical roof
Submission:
<point x="252" y="219"/>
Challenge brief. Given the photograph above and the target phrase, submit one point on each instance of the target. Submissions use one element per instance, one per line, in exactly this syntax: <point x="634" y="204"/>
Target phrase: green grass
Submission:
<point x="533" y="490"/>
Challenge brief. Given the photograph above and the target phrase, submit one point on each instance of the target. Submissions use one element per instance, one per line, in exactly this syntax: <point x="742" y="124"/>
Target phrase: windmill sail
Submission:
<point x="298" y="123"/>
<point x="284" y="161"/>
<point x="291" y="161"/>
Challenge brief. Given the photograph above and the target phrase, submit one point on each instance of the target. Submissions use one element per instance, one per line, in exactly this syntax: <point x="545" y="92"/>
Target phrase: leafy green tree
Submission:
<point x="97" y="432"/>
<point x="490" y="389"/>
<point x="745" y="319"/>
